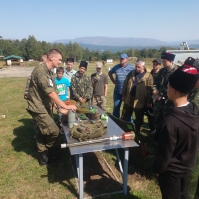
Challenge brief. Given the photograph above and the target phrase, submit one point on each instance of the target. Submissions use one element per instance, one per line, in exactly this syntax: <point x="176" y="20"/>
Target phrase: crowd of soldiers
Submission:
<point x="141" y="90"/>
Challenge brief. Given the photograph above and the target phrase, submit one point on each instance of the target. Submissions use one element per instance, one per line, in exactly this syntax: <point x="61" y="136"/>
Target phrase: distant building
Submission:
<point x="13" y="60"/>
<point x="109" y="61"/>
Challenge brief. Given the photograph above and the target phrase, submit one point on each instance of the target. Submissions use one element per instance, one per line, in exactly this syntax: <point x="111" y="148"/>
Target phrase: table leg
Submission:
<point x="77" y="164"/>
<point x="81" y="188"/>
<point x="125" y="175"/>
<point x="119" y="162"/>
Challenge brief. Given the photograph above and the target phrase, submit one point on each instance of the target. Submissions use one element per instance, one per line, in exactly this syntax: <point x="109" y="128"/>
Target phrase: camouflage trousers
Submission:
<point x="48" y="130"/>
<point x="161" y="109"/>
<point x="99" y="101"/>
<point x="194" y="181"/>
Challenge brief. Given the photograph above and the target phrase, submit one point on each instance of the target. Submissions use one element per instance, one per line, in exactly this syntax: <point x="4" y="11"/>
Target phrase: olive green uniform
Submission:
<point x="154" y="75"/>
<point x="136" y="103"/>
<point x="39" y="106"/>
<point x="81" y="86"/>
<point x="194" y="177"/>
<point x="162" y="107"/>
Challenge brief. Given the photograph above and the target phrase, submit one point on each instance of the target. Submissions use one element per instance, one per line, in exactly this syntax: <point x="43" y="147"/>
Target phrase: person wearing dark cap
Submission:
<point x="194" y="97"/>
<point x="178" y="137"/>
<point x="69" y="71"/>
<point x="81" y="84"/>
<point x="162" y="105"/>
<point x="121" y="71"/>
<point x="149" y="111"/>
<point x="156" y="67"/>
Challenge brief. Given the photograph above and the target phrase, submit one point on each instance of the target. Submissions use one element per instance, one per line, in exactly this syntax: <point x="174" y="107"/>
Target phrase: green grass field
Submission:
<point x="21" y="177"/>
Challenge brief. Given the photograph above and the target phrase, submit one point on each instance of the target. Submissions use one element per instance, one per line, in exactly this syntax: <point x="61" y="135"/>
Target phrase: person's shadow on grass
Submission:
<point x="59" y="171"/>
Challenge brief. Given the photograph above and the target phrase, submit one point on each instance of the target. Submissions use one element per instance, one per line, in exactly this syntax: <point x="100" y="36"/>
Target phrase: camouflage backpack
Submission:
<point x="85" y="130"/>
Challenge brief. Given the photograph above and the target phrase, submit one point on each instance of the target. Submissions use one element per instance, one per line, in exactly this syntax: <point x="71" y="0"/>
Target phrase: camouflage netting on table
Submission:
<point x="85" y="130"/>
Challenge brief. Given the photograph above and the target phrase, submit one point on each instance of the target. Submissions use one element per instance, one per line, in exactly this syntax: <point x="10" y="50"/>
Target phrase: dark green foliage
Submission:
<point x="32" y="49"/>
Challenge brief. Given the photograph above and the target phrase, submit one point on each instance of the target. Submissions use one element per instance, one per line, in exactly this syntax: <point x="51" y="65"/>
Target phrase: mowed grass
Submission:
<point x="21" y="176"/>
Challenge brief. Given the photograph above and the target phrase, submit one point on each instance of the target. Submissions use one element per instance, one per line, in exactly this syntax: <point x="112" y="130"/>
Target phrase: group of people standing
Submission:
<point x="168" y="91"/>
<point x="43" y="90"/>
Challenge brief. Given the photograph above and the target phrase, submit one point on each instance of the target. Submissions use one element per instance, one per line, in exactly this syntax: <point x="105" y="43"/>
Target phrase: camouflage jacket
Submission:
<point x="27" y="85"/>
<point x="154" y="75"/>
<point x="194" y="96"/>
<point x="81" y="86"/>
<point x="41" y="84"/>
<point x="162" y="80"/>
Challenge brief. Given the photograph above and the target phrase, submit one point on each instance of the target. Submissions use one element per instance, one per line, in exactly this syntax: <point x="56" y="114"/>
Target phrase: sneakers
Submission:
<point x="152" y="131"/>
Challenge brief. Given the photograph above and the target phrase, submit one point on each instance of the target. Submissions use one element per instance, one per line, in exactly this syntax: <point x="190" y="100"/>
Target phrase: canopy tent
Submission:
<point x="13" y="60"/>
<point x="12" y="57"/>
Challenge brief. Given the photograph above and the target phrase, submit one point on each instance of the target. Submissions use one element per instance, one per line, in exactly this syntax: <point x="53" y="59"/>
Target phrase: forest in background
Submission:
<point x="32" y="49"/>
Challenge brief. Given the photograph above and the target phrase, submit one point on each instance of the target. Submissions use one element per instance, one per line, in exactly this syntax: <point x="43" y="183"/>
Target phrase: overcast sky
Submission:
<point x="49" y="20"/>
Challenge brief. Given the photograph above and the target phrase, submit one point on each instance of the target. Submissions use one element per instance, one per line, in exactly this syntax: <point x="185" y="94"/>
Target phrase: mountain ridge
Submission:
<point x="116" y="44"/>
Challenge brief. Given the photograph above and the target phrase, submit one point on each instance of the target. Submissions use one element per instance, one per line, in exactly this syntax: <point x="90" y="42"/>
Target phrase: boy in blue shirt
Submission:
<point x="62" y="85"/>
<point x="63" y="91"/>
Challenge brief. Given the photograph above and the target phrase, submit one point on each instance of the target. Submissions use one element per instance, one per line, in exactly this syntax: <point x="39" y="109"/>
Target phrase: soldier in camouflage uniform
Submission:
<point x="41" y="95"/>
<point x="156" y="68"/>
<point x="162" y="105"/>
<point x="81" y="84"/>
<point x="27" y="88"/>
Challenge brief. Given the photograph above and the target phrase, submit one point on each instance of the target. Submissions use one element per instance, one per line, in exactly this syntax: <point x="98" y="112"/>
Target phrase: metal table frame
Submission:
<point x="113" y="129"/>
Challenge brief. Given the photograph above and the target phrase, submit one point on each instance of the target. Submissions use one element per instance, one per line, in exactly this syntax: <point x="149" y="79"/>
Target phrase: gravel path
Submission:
<point x="15" y="72"/>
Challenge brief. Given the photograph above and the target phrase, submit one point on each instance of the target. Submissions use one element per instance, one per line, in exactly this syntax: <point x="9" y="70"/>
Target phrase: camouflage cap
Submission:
<point x="99" y="65"/>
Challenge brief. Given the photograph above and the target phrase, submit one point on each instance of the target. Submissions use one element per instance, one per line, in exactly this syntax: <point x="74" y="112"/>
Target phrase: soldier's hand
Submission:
<point x="157" y="97"/>
<point x="81" y="99"/>
<point x="63" y="111"/>
<point x="72" y="108"/>
<point x="155" y="92"/>
<point x="26" y="95"/>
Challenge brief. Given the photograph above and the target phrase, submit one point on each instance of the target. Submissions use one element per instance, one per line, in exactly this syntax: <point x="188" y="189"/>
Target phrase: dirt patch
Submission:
<point x="15" y="72"/>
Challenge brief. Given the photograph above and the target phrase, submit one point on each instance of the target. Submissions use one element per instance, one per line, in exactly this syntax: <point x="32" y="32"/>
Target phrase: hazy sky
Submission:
<point x="50" y="20"/>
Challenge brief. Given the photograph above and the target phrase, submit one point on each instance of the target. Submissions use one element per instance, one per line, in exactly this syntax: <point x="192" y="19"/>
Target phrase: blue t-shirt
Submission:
<point x="62" y="87"/>
<point x="120" y="75"/>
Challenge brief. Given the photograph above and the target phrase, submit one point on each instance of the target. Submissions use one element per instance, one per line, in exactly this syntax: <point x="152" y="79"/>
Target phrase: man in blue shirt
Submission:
<point x="121" y="71"/>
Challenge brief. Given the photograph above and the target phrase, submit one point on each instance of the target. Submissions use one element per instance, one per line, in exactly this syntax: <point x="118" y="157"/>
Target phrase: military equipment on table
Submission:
<point x="82" y="117"/>
<point x="85" y="130"/>
<point x="82" y="109"/>
<point x="92" y="114"/>
<point x="124" y="136"/>
<point x="70" y="102"/>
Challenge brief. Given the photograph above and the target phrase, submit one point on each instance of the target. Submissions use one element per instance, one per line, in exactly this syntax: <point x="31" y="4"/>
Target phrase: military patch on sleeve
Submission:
<point x="50" y="82"/>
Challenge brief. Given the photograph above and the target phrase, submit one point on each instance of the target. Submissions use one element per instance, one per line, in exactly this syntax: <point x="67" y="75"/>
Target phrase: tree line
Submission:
<point x="32" y="49"/>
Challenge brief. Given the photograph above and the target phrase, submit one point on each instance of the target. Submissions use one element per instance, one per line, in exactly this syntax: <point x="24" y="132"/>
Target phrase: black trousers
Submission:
<point x="139" y="115"/>
<point x="174" y="185"/>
